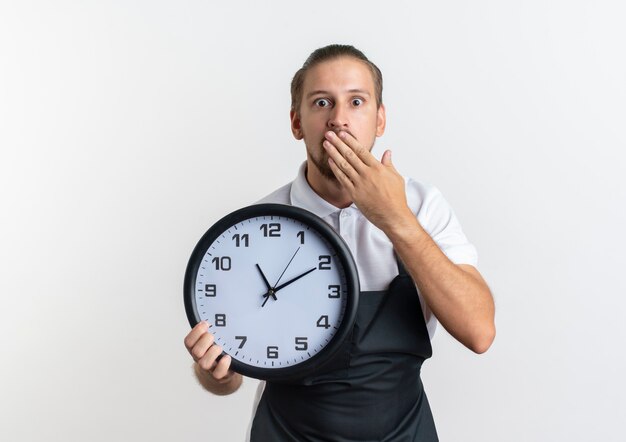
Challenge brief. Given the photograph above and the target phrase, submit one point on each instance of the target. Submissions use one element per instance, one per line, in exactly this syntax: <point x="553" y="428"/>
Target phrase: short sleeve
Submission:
<point x="439" y="220"/>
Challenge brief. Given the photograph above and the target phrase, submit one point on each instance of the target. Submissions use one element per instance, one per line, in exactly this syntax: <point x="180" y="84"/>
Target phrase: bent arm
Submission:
<point x="457" y="294"/>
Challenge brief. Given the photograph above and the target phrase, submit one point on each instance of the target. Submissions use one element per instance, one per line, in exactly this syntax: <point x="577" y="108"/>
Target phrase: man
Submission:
<point x="415" y="267"/>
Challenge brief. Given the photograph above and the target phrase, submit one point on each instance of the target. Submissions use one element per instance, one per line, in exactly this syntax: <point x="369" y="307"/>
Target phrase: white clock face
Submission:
<point x="273" y="289"/>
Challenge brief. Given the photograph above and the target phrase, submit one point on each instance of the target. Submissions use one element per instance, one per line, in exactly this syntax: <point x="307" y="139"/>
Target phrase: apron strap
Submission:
<point x="401" y="270"/>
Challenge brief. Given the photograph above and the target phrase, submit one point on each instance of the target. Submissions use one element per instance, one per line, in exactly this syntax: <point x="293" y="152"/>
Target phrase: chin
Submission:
<point x="321" y="164"/>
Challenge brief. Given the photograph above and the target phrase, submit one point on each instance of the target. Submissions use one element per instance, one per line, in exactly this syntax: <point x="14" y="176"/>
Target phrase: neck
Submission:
<point x="328" y="189"/>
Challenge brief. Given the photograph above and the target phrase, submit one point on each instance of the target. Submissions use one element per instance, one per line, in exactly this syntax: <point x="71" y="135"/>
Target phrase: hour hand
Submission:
<point x="267" y="284"/>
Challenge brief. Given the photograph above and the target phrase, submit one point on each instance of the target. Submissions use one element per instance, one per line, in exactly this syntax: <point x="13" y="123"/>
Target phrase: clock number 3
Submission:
<point x="334" y="291"/>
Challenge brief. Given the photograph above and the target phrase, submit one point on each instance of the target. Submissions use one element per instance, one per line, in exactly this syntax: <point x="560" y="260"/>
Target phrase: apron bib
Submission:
<point x="370" y="390"/>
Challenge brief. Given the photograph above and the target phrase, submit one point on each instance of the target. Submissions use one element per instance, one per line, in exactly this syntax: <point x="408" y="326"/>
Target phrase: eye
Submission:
<point x="357" y="102"/>
<point x="322" y="102"/>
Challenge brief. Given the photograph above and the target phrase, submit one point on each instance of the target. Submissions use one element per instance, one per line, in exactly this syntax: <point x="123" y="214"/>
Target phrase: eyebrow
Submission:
<point x="352" y="91"/>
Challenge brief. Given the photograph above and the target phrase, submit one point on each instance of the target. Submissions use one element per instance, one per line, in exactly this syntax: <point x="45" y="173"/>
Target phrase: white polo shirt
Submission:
<point x="370" y="247"/>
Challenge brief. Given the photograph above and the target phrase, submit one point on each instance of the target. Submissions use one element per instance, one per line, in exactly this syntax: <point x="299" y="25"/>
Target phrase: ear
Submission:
<point x="296" y="128"/>
<point x="381" y="120"/>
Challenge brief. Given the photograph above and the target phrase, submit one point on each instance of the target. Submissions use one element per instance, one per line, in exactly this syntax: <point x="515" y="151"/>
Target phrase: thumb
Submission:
<point x="386" y="159"/>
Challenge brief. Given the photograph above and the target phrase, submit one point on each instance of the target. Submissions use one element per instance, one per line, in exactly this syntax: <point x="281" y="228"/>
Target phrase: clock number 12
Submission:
<point x="273" y="230"/>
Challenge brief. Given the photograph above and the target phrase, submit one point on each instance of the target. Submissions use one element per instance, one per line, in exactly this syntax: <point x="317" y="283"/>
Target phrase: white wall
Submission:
<point x="127" y="128"/>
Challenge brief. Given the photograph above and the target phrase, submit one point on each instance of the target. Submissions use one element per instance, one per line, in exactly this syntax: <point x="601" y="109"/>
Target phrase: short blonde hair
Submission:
<point x="328" y="53"/>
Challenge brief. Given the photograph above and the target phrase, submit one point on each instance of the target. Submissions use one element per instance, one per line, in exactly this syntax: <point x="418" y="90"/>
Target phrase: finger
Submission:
<point x="347" y="153"/>
<point x="340" y="161"/>
<point x="207" y="362"/>
<point x="342" y="177"/>
<point x="386" y="158"/>
<point x="361" y="152"/>
<point x="221" y="369"/>
<point x="192" y="337"/>
<point x="202" y="345"/>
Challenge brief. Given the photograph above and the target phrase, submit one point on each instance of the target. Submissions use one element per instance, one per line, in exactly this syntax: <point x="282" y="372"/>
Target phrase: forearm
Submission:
<point x="222" y="387"/>
<point x="460" y="299"/>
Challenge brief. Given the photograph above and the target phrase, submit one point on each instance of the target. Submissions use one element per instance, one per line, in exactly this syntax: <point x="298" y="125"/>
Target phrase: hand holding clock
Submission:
<point x="215" y="375"/>
<point x="289" y="338"/>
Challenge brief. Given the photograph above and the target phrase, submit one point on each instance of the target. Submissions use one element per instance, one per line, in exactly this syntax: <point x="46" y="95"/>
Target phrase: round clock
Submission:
<point x="278" y="286"/>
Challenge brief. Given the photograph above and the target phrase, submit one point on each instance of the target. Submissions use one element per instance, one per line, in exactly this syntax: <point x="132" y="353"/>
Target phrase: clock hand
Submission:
<point x="264" y="278"/>
<point x="281" y="275"/>
<point x="267" y="296"/>
<point x="271" y="292"/>
<point x="285" y="284"/>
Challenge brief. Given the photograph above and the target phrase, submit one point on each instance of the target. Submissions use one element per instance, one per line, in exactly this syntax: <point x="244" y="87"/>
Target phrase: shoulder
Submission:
<point x="422" y="197"/>
<point x="439" y="220"/>
<point x="279" y="196"/>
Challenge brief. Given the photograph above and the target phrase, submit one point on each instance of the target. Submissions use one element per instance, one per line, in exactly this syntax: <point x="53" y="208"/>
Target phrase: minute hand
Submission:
<point x="293" y="280"/>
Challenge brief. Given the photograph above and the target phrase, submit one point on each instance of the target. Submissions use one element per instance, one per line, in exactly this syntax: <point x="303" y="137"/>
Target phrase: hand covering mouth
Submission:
<point x="340" y="130"/>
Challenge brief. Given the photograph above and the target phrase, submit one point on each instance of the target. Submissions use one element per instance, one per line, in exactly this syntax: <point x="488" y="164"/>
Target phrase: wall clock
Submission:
<point x="278" y="286"/>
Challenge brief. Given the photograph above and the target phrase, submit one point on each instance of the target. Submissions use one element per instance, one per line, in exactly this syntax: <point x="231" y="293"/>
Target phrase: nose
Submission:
<point x="338" y="118"/>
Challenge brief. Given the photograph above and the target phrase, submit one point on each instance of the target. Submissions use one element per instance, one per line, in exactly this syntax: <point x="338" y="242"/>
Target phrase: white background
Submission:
<point x="127" y="128"/>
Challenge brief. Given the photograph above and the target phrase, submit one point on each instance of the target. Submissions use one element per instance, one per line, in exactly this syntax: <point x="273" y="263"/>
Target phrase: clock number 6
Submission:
<point x="272" y="352"/>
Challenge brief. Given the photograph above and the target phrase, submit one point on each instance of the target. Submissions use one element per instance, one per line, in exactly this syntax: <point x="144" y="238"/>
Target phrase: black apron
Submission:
<point x="370" y="390"/>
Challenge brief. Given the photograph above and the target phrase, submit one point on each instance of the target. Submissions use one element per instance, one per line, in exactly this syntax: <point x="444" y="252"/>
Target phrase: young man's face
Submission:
<point x="338" y="94"/>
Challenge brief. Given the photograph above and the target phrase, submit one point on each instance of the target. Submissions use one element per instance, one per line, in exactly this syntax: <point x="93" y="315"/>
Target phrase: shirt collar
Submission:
<point x="302" y="195"/>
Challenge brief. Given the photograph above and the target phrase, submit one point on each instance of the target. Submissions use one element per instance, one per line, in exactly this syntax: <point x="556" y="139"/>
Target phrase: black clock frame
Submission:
<point x="345" y="258"/>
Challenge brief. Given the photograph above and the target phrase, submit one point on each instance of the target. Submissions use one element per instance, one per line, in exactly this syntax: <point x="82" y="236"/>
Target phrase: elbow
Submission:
<point x="483" y="341"/>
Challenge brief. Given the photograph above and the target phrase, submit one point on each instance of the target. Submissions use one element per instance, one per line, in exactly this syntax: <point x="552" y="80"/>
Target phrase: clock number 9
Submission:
<point x="272" y="352"/>
<point x="273" y="230"/>
<point x="210" y="290"/>
<point x="324" y="263"/>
